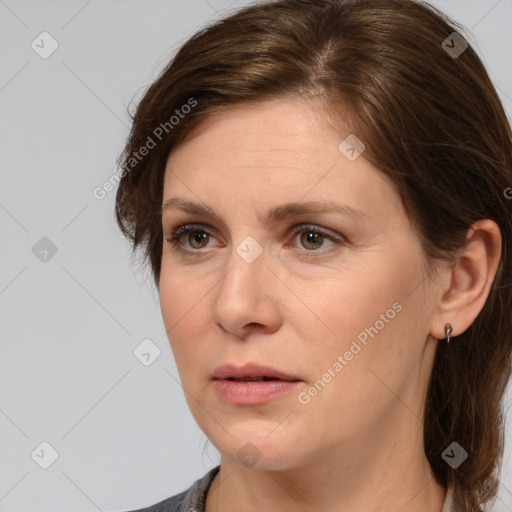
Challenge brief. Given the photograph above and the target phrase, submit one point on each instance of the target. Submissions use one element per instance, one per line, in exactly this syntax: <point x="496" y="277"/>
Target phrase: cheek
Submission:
<point x="182" y="303"/>
<point x="354" y="301"/>
<point x="367" y="304"/>
<point x="378" y="319"/>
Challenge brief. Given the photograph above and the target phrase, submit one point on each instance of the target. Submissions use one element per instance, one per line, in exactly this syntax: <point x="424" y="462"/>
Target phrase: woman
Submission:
<point x="321" y="190"/>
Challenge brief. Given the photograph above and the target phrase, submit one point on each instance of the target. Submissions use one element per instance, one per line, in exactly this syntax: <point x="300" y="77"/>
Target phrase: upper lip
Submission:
<point x="250" y="370"/>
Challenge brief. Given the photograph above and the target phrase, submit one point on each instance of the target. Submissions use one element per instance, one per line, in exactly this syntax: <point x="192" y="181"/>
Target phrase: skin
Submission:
<point x="358" y="444"/>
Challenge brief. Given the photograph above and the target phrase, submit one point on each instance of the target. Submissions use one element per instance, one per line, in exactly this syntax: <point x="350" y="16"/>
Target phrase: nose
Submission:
<point x="247" y="297"/>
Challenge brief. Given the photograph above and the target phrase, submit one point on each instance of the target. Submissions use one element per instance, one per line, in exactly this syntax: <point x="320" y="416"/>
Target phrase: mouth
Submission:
<point x="257" y="379"/>
<point x="252" y="384"/>
<point x="252" y="372"/>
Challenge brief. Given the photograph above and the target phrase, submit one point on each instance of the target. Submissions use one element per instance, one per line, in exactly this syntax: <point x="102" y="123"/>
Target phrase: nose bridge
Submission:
<point x="244" y="295"/>
<point x="246" y="268"/>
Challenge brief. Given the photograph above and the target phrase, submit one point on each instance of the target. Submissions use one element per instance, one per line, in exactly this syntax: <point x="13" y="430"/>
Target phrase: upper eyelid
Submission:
<point x="296" y="228"/>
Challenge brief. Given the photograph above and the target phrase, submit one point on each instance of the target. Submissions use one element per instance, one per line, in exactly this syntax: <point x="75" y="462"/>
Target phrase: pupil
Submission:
<point x="312" y="237"/>
<point x="199" y="237"/>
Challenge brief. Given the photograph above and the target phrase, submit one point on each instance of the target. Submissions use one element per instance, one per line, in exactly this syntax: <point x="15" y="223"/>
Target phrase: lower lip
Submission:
<point x="253" y="393"/>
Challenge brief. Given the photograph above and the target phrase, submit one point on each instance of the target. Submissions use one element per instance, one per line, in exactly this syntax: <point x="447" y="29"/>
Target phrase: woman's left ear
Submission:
<point x="467" y="284"/>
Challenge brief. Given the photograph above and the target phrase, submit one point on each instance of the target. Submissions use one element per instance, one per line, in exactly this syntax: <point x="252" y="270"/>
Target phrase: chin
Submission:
<point x="258" y="449"/>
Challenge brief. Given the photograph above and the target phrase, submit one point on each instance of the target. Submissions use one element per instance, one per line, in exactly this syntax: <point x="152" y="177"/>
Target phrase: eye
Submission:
<point x="311" y="239"/>
<point x="196" y="235"/>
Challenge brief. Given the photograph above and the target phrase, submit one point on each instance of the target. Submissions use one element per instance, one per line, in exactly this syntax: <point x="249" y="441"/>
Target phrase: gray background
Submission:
<point x="69" y="326"/>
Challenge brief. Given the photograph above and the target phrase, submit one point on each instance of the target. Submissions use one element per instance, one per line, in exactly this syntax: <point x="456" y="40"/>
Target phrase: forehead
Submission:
<point x="287" y="150"/>
<point x="284" y="136"/>
<point x="250" y="130"/>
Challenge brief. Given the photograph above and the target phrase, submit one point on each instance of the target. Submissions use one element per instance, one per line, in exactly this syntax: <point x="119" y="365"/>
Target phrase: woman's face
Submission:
<point x="343" y="305"/>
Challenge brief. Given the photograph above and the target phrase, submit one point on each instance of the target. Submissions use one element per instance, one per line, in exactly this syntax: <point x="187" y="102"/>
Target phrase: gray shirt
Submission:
<point x="194" y="498"/>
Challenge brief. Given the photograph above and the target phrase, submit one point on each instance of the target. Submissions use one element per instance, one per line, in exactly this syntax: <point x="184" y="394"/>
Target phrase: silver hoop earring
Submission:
<point x="448" y="329"/>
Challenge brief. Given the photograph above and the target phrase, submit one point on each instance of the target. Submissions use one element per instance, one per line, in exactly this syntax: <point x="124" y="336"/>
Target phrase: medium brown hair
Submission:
<point x="430" y="120"/>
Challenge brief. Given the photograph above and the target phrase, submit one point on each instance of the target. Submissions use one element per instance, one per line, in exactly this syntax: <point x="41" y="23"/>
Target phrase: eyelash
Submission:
<point x="178" y="232"/>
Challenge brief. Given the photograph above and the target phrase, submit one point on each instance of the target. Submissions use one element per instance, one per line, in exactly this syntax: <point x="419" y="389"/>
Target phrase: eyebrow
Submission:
<point x="274" y="215"/>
